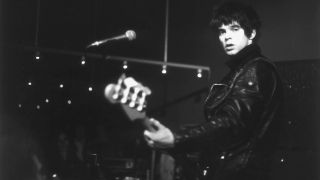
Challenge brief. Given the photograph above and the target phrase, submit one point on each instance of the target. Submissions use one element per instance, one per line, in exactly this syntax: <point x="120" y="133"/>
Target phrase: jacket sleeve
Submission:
<point x="234" y="120"/>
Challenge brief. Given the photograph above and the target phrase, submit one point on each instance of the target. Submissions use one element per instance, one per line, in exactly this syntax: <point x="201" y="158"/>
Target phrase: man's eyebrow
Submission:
<point x="235" y="25"/>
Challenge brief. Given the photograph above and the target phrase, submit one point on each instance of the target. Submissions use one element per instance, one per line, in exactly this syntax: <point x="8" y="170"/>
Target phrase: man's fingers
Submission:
<point x="147" y="137"/>
<point x="150" y="143"/>
<point x="156" y="123"/>
<point x="146" y="134"/>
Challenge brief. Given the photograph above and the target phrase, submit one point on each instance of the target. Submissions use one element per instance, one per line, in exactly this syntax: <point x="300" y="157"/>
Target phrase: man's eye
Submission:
<point x="221" y="32"/>
<point x="235" y="28"/>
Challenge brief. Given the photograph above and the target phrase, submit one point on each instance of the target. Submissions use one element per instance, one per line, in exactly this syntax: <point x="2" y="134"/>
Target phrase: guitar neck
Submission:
<point x="147" y="124"/>
<point x="132" y="97"/>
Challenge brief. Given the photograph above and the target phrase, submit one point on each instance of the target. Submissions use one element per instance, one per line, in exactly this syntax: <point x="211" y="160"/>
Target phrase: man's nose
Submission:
<point x="227" y="36"/>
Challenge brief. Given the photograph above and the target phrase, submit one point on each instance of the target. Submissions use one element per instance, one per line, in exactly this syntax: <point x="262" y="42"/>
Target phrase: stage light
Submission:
<point x="37" y="55"/>
<point x="29" y="83"/>
<point x="61" y="85"/>
<point x="83" y="60"/>
<point x="199" y="74"/>
<point x="69" y="101"/>
<point x="19" y="105"/>
<point x="47" y="100"/>
<point x="90" y="89"/>
<point x="125" y="65"/>
<point x="164" y="69"/>
<point x="38" y="106"/>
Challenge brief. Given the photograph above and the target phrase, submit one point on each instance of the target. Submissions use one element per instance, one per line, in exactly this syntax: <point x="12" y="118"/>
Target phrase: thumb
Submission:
<point x="149" y="135"/>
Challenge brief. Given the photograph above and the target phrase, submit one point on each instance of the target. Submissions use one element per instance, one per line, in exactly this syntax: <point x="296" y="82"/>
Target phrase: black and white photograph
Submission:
<point x="159" y="90"/>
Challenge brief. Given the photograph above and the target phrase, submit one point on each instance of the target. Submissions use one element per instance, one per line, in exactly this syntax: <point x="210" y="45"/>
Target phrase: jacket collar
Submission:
<point x="245" y="55"/>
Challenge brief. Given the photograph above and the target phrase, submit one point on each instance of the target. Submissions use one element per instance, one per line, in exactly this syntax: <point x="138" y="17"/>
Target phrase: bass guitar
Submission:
<point x="131" y="95"/>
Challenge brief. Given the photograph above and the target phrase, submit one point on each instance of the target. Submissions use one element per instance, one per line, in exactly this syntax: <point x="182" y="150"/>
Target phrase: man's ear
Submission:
<point x="253" y="34"/>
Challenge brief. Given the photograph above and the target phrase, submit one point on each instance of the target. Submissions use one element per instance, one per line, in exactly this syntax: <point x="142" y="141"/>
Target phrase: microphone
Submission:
<point x="130" y="35"/>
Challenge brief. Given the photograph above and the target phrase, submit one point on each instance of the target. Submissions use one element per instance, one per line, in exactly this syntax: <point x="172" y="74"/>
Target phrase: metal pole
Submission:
<point x="37" y="25"/>
<point x="153" y="163"/>
<point x="165" y="58"/>
<point x="118" y="58"/>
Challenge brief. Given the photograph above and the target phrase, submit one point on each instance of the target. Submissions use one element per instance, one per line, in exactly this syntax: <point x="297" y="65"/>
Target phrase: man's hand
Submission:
<point x="161" y="138"/>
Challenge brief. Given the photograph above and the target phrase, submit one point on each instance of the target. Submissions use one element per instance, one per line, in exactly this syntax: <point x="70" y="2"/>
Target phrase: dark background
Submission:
<point x="290" y="37"/>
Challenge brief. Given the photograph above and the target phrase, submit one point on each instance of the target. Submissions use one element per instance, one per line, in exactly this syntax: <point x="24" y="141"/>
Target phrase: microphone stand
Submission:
<point x="97" y="43"/>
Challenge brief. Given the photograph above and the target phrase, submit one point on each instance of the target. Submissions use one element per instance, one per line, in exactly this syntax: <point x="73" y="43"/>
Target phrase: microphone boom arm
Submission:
<point x="130" y="35"/>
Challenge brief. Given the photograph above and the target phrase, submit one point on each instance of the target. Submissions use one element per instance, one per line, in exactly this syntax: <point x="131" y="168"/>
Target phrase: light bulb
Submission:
<point x="125" y="65"/>
<point x="164" y="69"/>
<point x="199" y="74"/>
<point x="83" y="60"/>
<point x="37" y="55"/>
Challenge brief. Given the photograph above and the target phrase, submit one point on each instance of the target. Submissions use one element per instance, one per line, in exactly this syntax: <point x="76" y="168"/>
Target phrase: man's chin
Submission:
<point x="231" y="53"/>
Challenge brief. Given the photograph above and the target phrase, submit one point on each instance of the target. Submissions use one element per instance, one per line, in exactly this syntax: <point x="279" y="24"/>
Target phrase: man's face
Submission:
<point x="232" y="38"/>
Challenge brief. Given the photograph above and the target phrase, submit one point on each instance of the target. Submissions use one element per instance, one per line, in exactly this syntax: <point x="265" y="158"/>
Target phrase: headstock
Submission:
<point x="130" y="94"/>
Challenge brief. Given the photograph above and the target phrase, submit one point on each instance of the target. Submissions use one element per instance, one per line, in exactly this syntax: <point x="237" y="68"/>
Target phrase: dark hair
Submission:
<point x="243" y="14"/>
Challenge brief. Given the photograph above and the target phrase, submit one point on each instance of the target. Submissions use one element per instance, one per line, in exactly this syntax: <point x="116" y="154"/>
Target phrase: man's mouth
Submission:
<point x="229" y="47"/>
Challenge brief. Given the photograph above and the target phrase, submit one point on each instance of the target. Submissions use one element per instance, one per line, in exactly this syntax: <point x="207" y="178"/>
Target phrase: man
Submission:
<point x="20" y="155"/>
<point x="235" y="142"/>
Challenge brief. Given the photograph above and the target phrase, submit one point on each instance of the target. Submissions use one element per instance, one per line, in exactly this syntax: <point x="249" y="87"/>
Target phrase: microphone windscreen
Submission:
<point x="131" y="35"/>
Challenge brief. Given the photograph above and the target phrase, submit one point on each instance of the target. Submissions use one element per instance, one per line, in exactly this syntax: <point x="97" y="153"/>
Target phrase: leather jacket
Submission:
<point x="239" y="112"/>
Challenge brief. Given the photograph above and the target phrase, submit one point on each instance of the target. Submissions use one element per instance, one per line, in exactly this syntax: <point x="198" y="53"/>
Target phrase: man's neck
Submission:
<point x="244" y="55"/>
